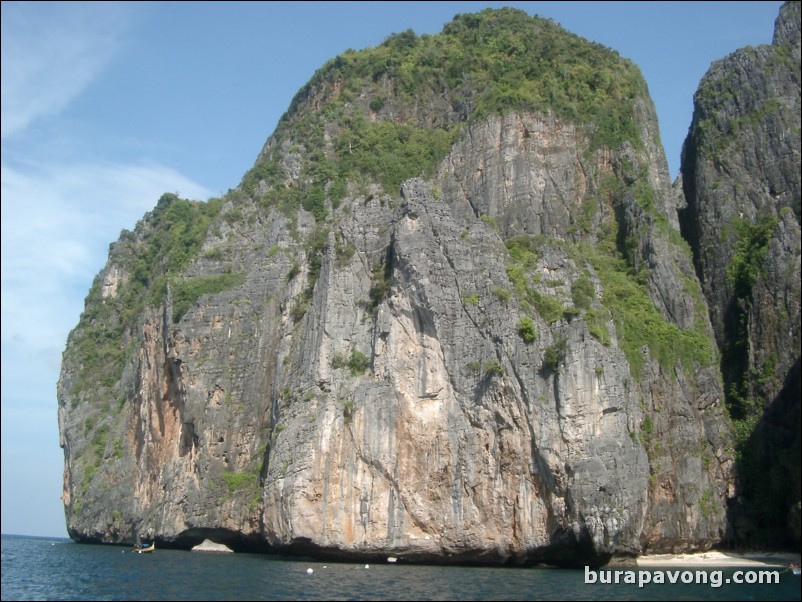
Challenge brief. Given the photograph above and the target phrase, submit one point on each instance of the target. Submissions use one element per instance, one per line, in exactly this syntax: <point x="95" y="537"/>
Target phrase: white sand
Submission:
<point x="714" y="558"/>
<point x="210" y="546"/>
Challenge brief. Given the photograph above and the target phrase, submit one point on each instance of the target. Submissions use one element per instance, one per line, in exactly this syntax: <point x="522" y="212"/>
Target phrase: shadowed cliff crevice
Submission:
<point x="414" y="331"/>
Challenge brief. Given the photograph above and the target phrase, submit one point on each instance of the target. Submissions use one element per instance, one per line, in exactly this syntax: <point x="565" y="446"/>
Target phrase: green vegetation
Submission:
<point x="381" y="283"/>
<point x="348" y="408"/>
<point x="639" y="324"/>
<point x="744" y="388"/>
<point x="527" y="330"/>
<point x="483" y="64"/>
<point x="245" y="483"/>
<point x="295" y="269"/>
<point x="343" y="251"/>
<point x="583" y="293"/>
<point x="497" y="61"/>
<point x="315" y="248"/>
<point x="550" y="308"/>
<point x="707" y="504"/>
<point x="625" y="300"/>
<point x="767" y="461"/>
<point x="596" y="321"/>
<point x="503" y="294"/>
<point x="493" y="368"/>
<point x="555" y="354"/>
<point x="186" y="292"/>
<point x="722" y="125"/>
<point x="161" y="246"/>
<point x="236" y="481"/>
<point x="390" y="152"/>
<point x="93" y="456"/>
<point x="215" y="254"/>
<point x="766" y="451"/>
<point x="747" y="257"/>
<point x="490" y="221"/>
<point x="524" y="260"/>
<point x="358" y="363"/>
<point x="763" y="479"/>
<point x="647" y="426"/>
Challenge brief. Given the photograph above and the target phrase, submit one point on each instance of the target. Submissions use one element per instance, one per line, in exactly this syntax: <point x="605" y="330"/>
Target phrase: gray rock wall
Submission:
<point x="741" y="177"/>
<point x="458" y="441"/>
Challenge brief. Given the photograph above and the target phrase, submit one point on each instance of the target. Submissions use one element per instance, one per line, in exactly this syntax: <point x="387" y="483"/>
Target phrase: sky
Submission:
<point x="105" y="106"/>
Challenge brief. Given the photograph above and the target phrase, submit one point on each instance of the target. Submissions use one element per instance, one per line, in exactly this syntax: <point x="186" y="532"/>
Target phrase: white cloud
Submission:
<point x="50" y="53"/>
<point x="60" y="212"/>
<point x="57" y="223"/>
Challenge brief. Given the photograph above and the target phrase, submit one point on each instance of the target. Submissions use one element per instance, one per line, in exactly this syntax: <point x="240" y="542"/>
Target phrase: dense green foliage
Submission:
<point x="555" y="354"/>
<point x="583" y="292"/>
<point x="358" y="363"/>
<point x="748" y="254"/>
<point x="187" y="292"/>
<point x="240" y="480"/>
<point x="625" y="299"/>
<point x="496" y="61"/>
<point x="527" y="330"/>
<point x="639" y="324"/>
<point x="390" y="152"/>
<point x="381" y="283"/>
<point x="392" y="112"/>
<point x="172" y="235"/>
<point x="519" y="270"/>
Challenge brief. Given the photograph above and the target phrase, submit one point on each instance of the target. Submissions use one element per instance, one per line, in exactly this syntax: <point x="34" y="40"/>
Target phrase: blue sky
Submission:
<point x="105" y="106"/>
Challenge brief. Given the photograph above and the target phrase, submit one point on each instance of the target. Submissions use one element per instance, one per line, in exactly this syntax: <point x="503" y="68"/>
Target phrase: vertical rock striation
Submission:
<point x="449" y="319"/>
<point x="741" y="176"/>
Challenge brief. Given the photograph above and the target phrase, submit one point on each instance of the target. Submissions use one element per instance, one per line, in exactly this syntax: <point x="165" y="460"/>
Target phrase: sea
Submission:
<point x="37" y="568"/>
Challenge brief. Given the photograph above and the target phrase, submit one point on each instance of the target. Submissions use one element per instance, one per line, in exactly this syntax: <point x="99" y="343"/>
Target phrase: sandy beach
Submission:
<point x="716" y="558"/>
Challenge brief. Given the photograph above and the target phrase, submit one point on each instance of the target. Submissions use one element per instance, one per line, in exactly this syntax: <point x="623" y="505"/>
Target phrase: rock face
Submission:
<point x="209" y="546"/>
<point x="425" y="325"/>
<point x="741" y="175"/>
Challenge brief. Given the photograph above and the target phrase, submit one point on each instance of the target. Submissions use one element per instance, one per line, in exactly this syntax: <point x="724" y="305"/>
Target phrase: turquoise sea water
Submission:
<point x="58" y="569"/>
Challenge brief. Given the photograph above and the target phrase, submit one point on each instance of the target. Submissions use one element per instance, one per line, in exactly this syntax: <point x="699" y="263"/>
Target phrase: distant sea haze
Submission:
<point x="35" y="568"/>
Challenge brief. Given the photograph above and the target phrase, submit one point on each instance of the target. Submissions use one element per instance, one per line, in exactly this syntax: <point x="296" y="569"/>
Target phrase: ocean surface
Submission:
<point x="35" y="568"/>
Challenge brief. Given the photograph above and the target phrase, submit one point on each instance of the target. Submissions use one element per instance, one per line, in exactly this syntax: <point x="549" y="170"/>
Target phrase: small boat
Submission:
<point x="144" y="548"/>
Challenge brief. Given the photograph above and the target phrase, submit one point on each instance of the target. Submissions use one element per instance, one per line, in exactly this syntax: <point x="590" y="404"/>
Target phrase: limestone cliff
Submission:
<point x="446" y="316"/>
<point x="741" y="175"/>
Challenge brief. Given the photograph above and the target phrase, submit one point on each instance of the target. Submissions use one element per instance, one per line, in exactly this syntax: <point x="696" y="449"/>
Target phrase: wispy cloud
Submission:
<point x="57" y="223"/>
<point x="50" y="53"/>
<point x="60" y="212"/>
